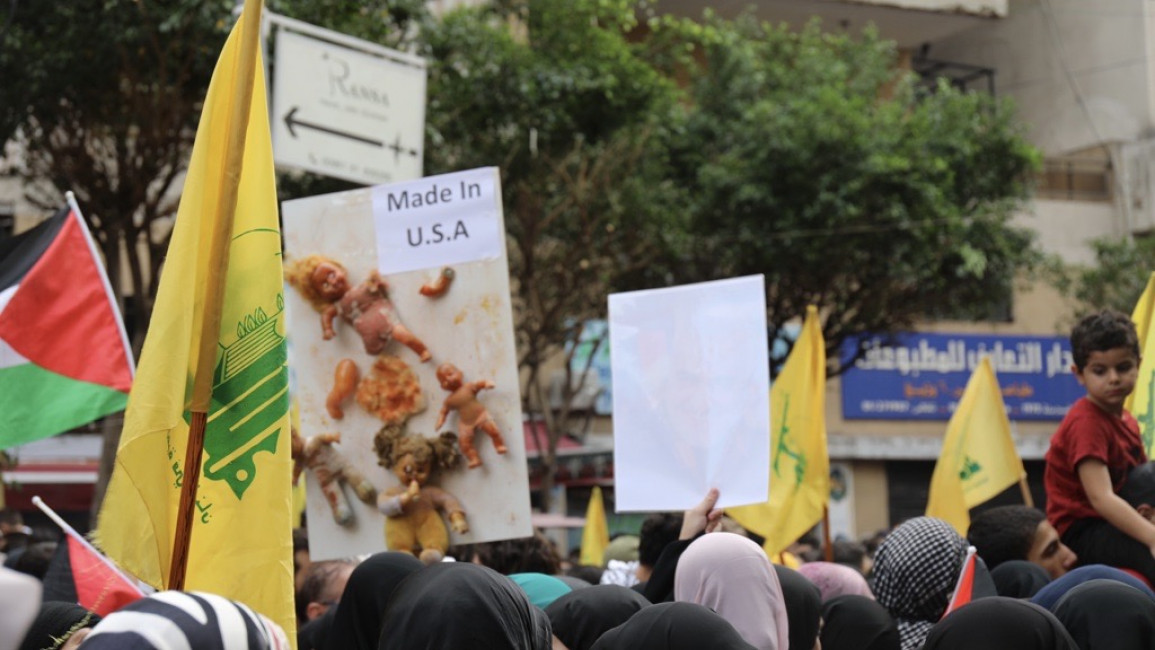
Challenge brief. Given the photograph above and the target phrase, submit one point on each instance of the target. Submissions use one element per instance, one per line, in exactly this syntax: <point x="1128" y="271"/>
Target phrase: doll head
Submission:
<point x="413" y="457"/>
<point x="449" y="376"/>
<point x="321" y="280"/>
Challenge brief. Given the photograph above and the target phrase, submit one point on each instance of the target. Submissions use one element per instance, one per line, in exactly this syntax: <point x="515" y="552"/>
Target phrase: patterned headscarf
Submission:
<point x="171" y="620"/>
<point x="915" y="571"/>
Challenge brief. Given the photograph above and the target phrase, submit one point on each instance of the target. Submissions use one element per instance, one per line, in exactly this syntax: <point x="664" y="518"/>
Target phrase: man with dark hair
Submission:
<point x="1019" y="533"/>
<point x="658" y="530"/>
<point x="322" y="587"/>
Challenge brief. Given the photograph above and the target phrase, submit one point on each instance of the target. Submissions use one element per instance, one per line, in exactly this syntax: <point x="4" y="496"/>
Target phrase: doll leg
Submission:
<point x="400" y="534"/>
<point x="361" y="485"/>
<point x="465" y="441"/>
<point x="431" y="533"/>
<point x="342" y="513"/>
<point x="409" y="340"/>
<point x="488" y="426"/>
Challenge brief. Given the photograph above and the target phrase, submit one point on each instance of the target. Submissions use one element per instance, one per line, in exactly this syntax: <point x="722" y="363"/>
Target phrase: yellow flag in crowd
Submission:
<point x="978" y="458"/>
<point x="799" y="464"/>
<point x="1141" y="401"/>
<point x="241" y="540"/>
<point x="596" y="534"/>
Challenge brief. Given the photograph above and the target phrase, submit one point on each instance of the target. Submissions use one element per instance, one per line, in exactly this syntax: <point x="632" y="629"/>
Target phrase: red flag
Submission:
<point x="99" y="588"/>
<point x="964" y="590"/>
<point x="80" y="574"/>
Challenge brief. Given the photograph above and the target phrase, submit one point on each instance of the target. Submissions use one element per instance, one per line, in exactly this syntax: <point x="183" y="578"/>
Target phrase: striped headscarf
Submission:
<point x="177" y="620"/>
<point x="915" y="571"/>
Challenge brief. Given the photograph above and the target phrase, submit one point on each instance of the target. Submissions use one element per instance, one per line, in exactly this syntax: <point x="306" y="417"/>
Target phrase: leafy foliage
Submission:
<point x="567" y="110"/>
<point x="808" y="158"/>
<point x="1117" y="279"/>
<point x="101" y="97"/>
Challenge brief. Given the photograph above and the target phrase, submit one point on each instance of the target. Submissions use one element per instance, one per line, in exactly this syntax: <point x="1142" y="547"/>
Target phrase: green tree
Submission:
<point x="809" y="157"/>
<point x="101" y="97"/>
<point x="1116" y="280"/>
<point x="555" y="94"/>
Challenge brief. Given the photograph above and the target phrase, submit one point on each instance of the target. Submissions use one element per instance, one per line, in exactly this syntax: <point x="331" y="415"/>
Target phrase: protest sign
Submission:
<point x="442" y="297"/>
<point x="691" y="395"/>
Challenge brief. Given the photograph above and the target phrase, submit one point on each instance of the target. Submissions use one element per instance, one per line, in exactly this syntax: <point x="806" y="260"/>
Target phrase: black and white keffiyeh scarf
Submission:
<point x="177" y="620"/>
<point x="915" y="571"/>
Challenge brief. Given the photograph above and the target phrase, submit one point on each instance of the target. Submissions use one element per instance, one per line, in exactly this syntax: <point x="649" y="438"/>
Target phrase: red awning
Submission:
<point x="536" y="440"/>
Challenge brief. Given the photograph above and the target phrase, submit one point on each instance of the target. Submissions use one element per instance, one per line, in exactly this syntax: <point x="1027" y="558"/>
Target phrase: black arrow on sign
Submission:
<point x="290" y="122"/>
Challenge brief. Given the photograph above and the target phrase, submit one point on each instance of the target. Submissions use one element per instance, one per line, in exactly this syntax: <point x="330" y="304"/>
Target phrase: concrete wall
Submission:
<point x="1079" y="71"/>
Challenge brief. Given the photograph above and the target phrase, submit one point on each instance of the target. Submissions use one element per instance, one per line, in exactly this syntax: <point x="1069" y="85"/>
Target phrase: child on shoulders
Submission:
<point x="1094" y="448"/>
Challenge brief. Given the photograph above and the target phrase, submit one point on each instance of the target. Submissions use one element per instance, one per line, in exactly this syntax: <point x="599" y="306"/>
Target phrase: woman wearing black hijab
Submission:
<point x="1000" y="623"/>
<point x="1108" y="615"/>
<point x="580" y="617"/>
<point x="1019" y="578"/>
<point x="357" y="623"/>
<point x="462" y="605"/>
<point x="858" y="623"/>
<point x="56" y="624"/>
<point x="803" y="607"/>
<point x="673" y="626"/>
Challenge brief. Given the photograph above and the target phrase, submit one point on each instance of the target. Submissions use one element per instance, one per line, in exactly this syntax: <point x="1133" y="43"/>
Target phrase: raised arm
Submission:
<point x="1096" y="482"/>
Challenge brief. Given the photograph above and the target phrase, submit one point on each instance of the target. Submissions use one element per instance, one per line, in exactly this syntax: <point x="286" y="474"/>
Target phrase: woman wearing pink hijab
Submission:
<point x="835" y="580"/>
<point x="731" y="575"/>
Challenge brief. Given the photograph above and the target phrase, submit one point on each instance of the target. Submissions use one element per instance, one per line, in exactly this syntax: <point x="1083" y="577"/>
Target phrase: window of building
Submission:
<point x="1082" y="176"/>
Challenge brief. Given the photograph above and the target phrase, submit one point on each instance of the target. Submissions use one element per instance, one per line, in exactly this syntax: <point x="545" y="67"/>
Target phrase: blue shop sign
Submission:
<point x="922" y="376"/>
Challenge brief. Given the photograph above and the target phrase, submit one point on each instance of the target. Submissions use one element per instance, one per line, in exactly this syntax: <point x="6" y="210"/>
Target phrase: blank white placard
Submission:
<point x="691" y="395"/>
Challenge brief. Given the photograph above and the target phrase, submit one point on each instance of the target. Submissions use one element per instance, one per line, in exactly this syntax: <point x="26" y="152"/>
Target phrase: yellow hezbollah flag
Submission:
<point x="978" y="458"/>
<point x="799" y="465"/>
<point x="596" y="533"/>
<point x="241" y="540"/>
<point x="1141" y="401"/>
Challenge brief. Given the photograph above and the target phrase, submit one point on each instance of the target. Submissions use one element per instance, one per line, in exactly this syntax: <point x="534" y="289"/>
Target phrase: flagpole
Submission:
<point x="826" y="534"/>
<point x="1027" y="499"/>
<point x="71" y="532"/>
<point x="215" y="288"/>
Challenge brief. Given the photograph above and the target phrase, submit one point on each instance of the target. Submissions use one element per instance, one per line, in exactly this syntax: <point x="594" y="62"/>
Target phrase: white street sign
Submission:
<point x="346" y="108"/>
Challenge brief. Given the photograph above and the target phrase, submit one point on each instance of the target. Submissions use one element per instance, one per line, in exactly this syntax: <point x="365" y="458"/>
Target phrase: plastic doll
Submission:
<point x="325" y="284"/>
<point x="471" y="413"/>
<point x="318" y="455"/>
<point x="413" y="509"/>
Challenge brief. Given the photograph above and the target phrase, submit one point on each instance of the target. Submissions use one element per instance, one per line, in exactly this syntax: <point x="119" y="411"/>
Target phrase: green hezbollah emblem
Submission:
<point x="970" y="467"/>
<point x="783" y="447"/>
<point x="249" y="402"/>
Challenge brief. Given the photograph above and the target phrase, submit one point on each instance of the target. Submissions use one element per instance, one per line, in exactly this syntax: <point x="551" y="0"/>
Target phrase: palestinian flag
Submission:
<point x="79" y="574"/>
<point x="64" y="355"/>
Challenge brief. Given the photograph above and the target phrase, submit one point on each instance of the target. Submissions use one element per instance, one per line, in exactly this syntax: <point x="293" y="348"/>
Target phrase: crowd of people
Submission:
<point x="1077" y="576"/>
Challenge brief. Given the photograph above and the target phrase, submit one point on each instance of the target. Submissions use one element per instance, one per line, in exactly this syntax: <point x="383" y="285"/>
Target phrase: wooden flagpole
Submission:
<point x="1027" y="499"/>
<point x="242" y="94"/>
<point x="826" y="543"/>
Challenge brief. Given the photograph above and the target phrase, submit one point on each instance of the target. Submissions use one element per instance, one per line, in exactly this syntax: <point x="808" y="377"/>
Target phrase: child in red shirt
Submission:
<point x="1095" y="446"/>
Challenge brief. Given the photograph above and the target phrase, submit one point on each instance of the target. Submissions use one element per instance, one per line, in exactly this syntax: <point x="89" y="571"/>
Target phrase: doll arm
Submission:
<point x="377" y="284"/>
<point x="442" y="415"/>
<point x="1096" y="482"/>
<point x="394" y="505"/>
<point x="478" y="386"/>
<point x="327" y="316"/>
<point x="345" y="378"/>
<point x="327" y="438"/>
<point x="447" y="503"/>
